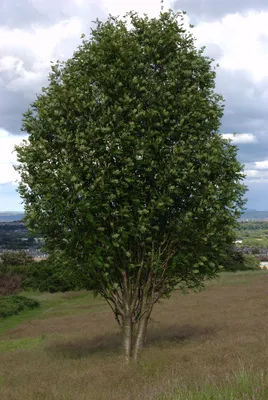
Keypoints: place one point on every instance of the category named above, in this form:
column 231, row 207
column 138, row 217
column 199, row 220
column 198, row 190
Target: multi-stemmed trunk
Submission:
column 140, row 337
column 127, row 328
column 132, row 303
column 134, row 334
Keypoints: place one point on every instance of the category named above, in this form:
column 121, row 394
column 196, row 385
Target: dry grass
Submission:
column 71, row 351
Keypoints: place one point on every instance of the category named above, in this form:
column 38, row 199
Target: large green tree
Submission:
column 125, row 172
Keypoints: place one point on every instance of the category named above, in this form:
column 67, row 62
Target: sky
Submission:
column 235, row 32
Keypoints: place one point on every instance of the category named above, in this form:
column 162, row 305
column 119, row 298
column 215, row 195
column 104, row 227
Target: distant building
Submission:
column 40, row 257
column 264, row 264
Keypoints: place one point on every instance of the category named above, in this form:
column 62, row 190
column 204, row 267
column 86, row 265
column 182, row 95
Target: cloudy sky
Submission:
column 235, row 33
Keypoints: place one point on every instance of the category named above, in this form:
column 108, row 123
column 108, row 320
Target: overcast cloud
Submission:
column 235, row 33
column 210, row 10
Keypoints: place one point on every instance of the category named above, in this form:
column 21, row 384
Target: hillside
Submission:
column 249, row 215
column 211, row 345
column 253, row 215
column 10, row 216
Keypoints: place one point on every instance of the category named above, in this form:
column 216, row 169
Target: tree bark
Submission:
column 141, row 335
column 127, row 336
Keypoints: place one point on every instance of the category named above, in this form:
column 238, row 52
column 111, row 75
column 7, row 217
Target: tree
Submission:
column 124, row 171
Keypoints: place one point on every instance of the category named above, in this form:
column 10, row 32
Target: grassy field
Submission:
column 211, row 345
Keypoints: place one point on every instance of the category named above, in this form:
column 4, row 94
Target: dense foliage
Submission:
column 125, row 172
column 15, row 258
column 50, row 276
column 238, row 261
column 10, row 283
column 19, row 271
column 13, row 270
column 10, row 305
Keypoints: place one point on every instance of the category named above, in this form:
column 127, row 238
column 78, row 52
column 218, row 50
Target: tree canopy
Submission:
column 125, row 172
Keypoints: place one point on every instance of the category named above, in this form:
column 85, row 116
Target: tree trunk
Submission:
column 127, row 337
column 141, row 335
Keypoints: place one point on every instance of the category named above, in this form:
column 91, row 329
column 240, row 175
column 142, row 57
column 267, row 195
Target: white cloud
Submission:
column 52, row 42
column 40, row 43
column 261, row 164
column 40, row 40
column 252, row 173
column 257, row 165
column 258, row 181
column 256, row 176
column 240, row 137
column 8, row 156
column 243, row 40
column 257, row 171
column 150, row 7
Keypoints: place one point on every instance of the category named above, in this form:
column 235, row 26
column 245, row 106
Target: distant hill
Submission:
column 10, row 216
column 253, row 215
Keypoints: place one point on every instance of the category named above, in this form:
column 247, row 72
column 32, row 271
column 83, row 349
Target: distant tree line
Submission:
column 252, row 229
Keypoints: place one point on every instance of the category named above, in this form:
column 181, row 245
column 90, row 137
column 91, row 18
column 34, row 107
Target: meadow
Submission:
column 201, row 346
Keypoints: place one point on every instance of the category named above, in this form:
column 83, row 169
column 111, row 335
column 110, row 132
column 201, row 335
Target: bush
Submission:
column 10, row 284
column 15, row 258
column 11, row 305
column 238, row 261
column 49, row 276
column 251, row 262
column 11, row 278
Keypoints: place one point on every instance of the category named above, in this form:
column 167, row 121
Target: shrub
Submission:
column 251, row 262
column 238, row 261
column 13, row 270
column 11, row 278
column 49, row 276
column 11, row 305
column 15, row 258
column 10, row 284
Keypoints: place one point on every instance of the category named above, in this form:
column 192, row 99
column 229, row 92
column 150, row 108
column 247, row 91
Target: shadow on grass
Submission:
column 112, row 343
column 82, row 348
column 179, row 333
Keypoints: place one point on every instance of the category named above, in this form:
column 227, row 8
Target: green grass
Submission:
column 19, row 344
column 14, row 320
column 58, row 304
column 238, row 277
column 13, row 305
